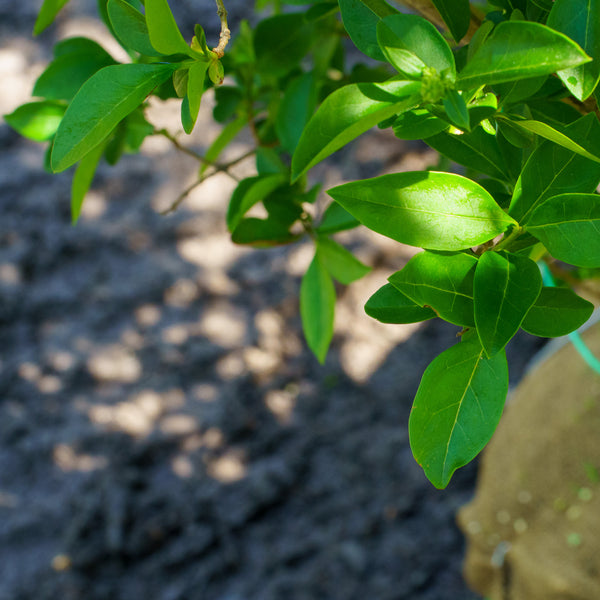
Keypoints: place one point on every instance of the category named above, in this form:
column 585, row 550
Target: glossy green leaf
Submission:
column 317, row 307
column 82, row 180
column 347, row 113
column 390, row 305
column 475, row 149
column 519, row 50
column 297, row 105
column 249, row 192
column 165, row 36
column 336, row 218
column 441, row 282
column 103, row 100
column 437, row 211
column 418, row 124
column 195, row 89
column 456, row 109
column 37, row 121
column 579, row 20
column 411, row 43
column 557, row 312
column 504, row 289
column 569, row 226
column 47, row 14
column 360, row 21
column 341, row 264
column 129, row 25
column 482, row 108
column 456, row 15
column 64, row 76
column 552, row 169
column 457, row 409
column 519, row 89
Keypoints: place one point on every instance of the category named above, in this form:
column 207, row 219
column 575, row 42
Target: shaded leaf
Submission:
column 456, row 15
column 129, row 25
column 47, row 14
column 390, row 305
column 82, row 180
column 342, row 265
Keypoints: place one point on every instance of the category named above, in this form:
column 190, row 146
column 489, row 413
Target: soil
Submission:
column 164, row 432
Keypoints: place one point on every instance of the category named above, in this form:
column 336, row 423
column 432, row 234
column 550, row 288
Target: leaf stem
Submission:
column 508, row 239
column 225, row 34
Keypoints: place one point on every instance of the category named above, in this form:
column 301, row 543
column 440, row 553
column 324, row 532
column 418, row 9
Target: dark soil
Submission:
column 164, row 433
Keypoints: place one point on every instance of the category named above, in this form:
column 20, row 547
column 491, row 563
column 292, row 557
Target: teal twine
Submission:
column 574, row 336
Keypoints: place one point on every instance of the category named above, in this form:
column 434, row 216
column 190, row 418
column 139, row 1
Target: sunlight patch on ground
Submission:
column 114, row 364
column 67, row 459
column 228, row 468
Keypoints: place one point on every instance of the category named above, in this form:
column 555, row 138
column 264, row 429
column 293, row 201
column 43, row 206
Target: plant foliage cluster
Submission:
column 507, row 89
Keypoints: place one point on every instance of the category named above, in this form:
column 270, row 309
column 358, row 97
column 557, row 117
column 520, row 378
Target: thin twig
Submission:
column 225, row 34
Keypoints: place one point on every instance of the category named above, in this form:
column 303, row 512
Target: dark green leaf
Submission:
column 441, row 282
column 456, row 15
column 103, row 100
column 437, row 211
column 47, row 14
column 557, row 312
column 390, row 305
column 580, row 20
column 336, row 218
column 165, row 36
column 341, row 264
column 520, row 50
column 225, row 137
column 129, row 25
column 504, row 289
column 262, row 233
column 82, row 180
column 456, row 409
column 518, row 90
column 317, row 307
column 347, row 113
column 411, row 43
column 557, row 114
column 482, row 108
column 569, row 226
column 37, row 121
column 418, row 124
column 456, row 109
column 227, row 100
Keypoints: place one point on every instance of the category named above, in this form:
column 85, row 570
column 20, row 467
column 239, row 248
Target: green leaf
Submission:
column 552, row 169
column 456, row 15
column 557, row 114
column 280, row 43
column 476, row 149
column 47, row 14
column 557, row 312
column 195, row 89
column 518, row 90
column 82, row 180
column 165, row 36
column 360, row 21
column 317, row 307
column 456, row 409
column 129, row 25
column 390, row 305
column 37, row 121
column 262, row 233
column 103, row 100
column 548, row 132
column 249, row 192
column 297, row 106
column 437, row 211
column 442, row 282
column 418, row 124
column 336, row 218
column 341, row 264
column 519, row 50
column 225, row 137
column 569, row 226
column 347, row 113
column 64, row 76
column 456, row 109
column 410, row 43
column 504, row 289
column 579, row 20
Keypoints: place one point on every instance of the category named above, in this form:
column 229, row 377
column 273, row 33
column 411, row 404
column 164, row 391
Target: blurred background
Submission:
column 164, row 432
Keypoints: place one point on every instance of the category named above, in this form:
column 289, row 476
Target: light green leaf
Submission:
column 390, row 305
column 557, row 312
column 437, row 211
column 569, row 226
column 456, row 109
column 347, row 113
column 130, row 27
column 580, row 20
column 519, row 50
column 441, row 282
column 47, row 14
column 195, row 89
column 552, row 169
column 165, row 36
column 504, row 289
column 456, row 15
column 341, row 264
column 37, row 121
column 410, row 43
column 82, row 180
column 103, row 100
column 456, row 409
column 317, row 308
